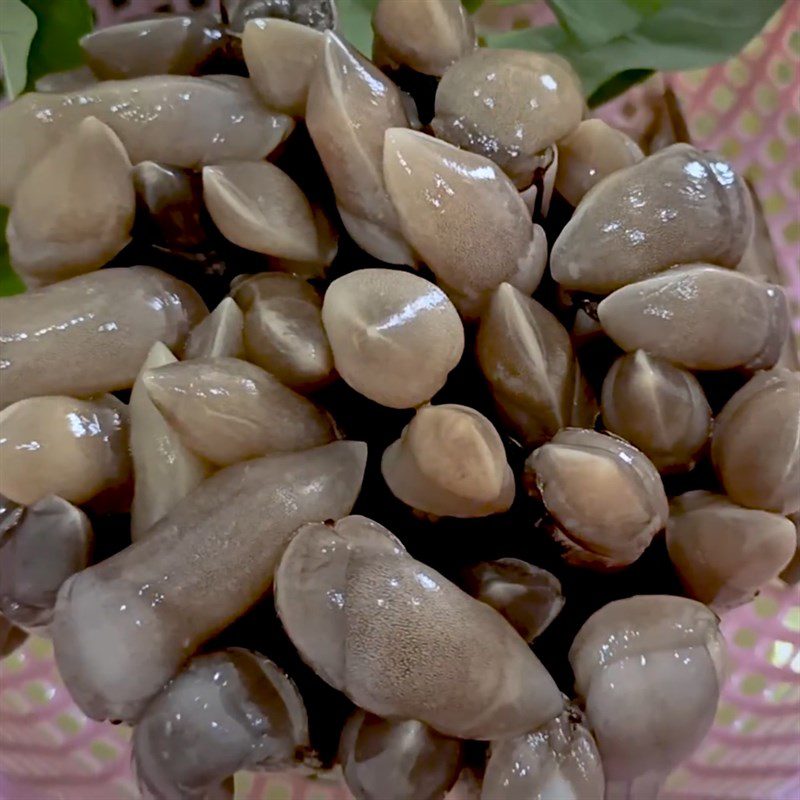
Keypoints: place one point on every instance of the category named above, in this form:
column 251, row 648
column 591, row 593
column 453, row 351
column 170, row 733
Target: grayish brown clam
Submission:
column 186, row 122
column 756, row 443
column 605, row 496
column 74, row 210
column 50, row 541
column 463, row 216
column 317, row 14
column 395, row 336
column 424, row 35
column 558, row 761
column 449, row 462
column 351, row 104
column 508, row 105
column 659, row 408
column 196, row 571
column 678, row 206
column 221, row 333
column 67, row 81
column 397, row 759
column 724, row 553
column 11, row 637
column 402, row 641
column 327, row 246
column 700, row 317
column 76, row 337
column 590, row 153
column 225, row 711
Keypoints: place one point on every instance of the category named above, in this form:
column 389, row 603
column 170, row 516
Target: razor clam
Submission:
column 221, row 333
column 197, row 570
column 317, row 14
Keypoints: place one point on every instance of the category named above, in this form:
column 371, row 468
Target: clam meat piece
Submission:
column 225, row 711
column 327, row 245
column 528, row 597
column 700, row 317
column 159, row 45
column 317, row 14
column 756, row 443
column 227, row 410
column 590, row 153
column 558, row 760
column 395, row 336
column 397, row 759
column 659, row 408
column 427, row 36
column 509, row 106
column 724, row 553
column 463, row 216
column 186, row 122
column 73, row 212
column 77, row 337
column 50, row 542
column 259, row 207
column 11, row 637
column 401, row 641
column 605, row 496
column 791, row 573
column 449, row 462
column 678, row 206
column 221, row 333
column 165, row 470
column 198, row 569
column 648, row 670
column 351, row 104
column 67, row 81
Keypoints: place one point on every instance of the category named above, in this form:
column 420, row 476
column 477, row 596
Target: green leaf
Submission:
column 472, row 5
column 355, row 21
column 617, row 85
column 592, row 22
column 9, row 282
column 17, row 29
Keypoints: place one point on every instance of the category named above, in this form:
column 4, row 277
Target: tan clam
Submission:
column 327, row 248
column 221, row 333
column 66, row 81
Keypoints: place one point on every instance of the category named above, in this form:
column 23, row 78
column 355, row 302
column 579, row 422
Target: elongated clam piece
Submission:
column 11, row 637
column 351, row 104
column 165, row 470
column 227, row 410
column 397, row 759
column 558, row 760
column 225, row 711
column 402, row 641
column 590, row 153
column 508, row 105
column 51, row 541
column 756, row 443
column 74, row 211
column 725, row 553
column 58, row 445
column 221, row 333
column 197, row 570
column 605, row 496
column 659, row 408
column 424, row 35
column 317, row 14
column 327, row 248
column 186, row 122
column 77, row 338
column 67, row 81
column 649, row 670
column 700, row 317
column 463, row 216
column 678, row 206
column 449, row 462
column 395, row 336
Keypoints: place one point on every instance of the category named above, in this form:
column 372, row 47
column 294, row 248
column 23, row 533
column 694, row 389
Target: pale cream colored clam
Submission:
column 700, row 317
column 724, row 553
column 327, row 245
column 67, row 81
column 73, row 212
column 90, row 334
column 221, row 333
column 463, row 216
column 449, row 462
column 678, row 206
column 196, row 571
column 395, row 336
column 58, row 445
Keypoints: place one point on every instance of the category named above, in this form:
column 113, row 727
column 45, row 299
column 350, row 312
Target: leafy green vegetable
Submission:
column 17, row 29
column 472, row 5
column 9, row 282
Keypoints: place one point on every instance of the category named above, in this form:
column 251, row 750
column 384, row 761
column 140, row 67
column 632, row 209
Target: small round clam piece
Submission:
column 508, row 105
column 678, row 206
column 224, row 712
column 397, row 759
column 395, row 336
column 605, row 496
column 450, row 462
column 317, row 14
column 700, row 317
column 221, row 333
column 659, row 408
column 558, row 761
column 756, row 443
column 725, row 553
